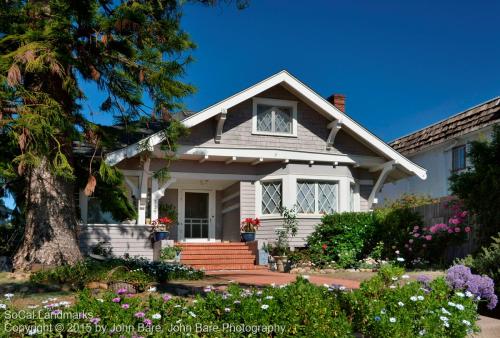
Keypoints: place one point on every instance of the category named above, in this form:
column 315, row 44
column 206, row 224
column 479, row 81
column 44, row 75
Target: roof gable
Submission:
column 299, row 89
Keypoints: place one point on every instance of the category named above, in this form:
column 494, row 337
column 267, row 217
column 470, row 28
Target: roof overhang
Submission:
column 304, row 92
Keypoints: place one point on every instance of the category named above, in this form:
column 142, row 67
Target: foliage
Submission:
column 408, row 201
column 342, row 238
column 168, row 210
column 479, row 186
column 133, row 270
column 289, row 229
column 161, row 224
column 389, row 306
column 170, row 252
column 250, row 224
column 103, row 248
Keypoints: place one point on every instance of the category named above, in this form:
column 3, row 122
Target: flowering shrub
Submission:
column 161, row 224
column 342, row 239
column 250, row 224
column 389, row 305
column 140, row 272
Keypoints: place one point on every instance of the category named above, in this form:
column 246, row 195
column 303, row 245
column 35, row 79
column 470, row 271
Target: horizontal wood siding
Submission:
column 306, row 227
column 247, row 199
column 364, row 194
column 128, row 239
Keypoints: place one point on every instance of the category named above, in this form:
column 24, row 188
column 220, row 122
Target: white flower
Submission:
column 258, row 293
column 33, row 331
column 269, row 297
column 392, row 286
column 192, row 314
column 446, row 312
column 227, row 309
column 420, row 297
column 400, row 259
column 305, row 276
column 383, row 311
column 401, row 304
column 273, row 285
column 64, row 303
column 460, row 307
column 342, row 288
column 237, row 302
column 397, row 252
column 466, row 322
column 152, row 289
column 405, row 276
column 264, row 306
column 460, row 294
column 445, row 324
column 100, row 300
column 451, row 304
column 392, row 320
column 469, row 294
column 195, row 301
column 394, row 278
column 3, row 306
column 443, row 318
column 283, row 286
column 156, row 316
column 421, row 332
column 9, row 295
column 177, row 305
column 32, row 306
column 326, row 285
column 413, row 298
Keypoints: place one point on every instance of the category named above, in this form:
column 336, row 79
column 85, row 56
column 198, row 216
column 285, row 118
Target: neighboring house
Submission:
column 442, row 149
column 276, row 143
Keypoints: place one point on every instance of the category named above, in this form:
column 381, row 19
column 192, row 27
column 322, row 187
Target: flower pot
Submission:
column 160, row 235
column 248, row 236
column 280, row 263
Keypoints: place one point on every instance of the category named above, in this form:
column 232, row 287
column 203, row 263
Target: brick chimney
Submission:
column 338, row 100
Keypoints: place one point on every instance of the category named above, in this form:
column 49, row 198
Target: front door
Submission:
column 197, row 216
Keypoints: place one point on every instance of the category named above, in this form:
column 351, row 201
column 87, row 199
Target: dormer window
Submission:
column 274, row 117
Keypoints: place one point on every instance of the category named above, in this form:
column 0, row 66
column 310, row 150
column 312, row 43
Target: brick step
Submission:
column 218, row 261
column 212, row 245
column 229, row 267
column 225, row 249
column 216, row 252
column 220, row 256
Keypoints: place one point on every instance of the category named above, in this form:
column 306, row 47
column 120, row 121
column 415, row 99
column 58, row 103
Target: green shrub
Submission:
column 135, row 271
column 342, row 238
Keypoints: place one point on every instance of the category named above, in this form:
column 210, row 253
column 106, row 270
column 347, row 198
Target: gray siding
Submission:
column 364, row 194
column 306, row 227
column 124, row 238
column 247, row 199
column 312, row 132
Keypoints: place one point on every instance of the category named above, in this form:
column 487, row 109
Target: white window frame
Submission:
column 277, row 103
column 316, row 193
column 259, row 191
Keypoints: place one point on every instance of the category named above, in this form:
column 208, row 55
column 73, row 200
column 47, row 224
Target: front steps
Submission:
column 218, row 256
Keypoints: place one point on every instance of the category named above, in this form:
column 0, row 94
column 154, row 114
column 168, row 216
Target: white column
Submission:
column 344, row 195
column 155, row 199
column 289, row 191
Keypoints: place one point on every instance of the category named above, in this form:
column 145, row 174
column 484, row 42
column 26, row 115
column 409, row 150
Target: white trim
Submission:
column 308, row 95
column 181, row 206
column 231, row 160
column 380, row 182
column 334, row 127
column 221, row 119
column 278, row 103
column 258, row 161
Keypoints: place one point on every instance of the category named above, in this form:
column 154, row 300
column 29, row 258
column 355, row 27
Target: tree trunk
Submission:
column 50, row 235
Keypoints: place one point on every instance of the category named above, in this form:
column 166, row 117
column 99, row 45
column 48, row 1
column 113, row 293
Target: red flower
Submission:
column 256, row 221
column 324, row 246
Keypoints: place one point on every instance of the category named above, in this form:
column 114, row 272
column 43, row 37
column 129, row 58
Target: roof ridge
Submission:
column 447, row 118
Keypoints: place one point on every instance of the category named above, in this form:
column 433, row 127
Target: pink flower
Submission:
column 416, row 235
column 139, row 315
column 457, row 229
column 125, row 306
column 116, row 300
column 455, row 220
column 428, row 237
column 450, row 230
column 121, row 291
column 416, row 227
column 464, row 214
column 467, row 229
column 148, row 322
column 166, row 298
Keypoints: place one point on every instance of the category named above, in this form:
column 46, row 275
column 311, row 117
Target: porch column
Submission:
column 142, row 200
column 157, row 192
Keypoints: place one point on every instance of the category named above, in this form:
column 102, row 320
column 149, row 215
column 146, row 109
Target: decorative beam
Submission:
column 134, row 188
column 203, row 159
column 380, row 181
column 144, row 179
column 221, row 119
column 257, row 161
column 231, row 160
column 286, row 161
column 334, row 127
column 382, row 166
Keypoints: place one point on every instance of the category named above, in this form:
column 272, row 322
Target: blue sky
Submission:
column 401, row 64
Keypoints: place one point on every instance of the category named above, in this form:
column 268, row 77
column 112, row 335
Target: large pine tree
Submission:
column 132, row 50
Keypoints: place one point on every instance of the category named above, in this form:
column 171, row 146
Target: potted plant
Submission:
column 281, row 248
column 248, row 228
column 170, row 254
column 160, row 228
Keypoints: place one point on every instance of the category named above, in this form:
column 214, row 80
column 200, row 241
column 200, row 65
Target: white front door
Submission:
column 196, row 215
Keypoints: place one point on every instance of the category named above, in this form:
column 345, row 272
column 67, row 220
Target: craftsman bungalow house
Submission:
column 276, row 143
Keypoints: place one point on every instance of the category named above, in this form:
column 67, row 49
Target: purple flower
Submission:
column 166, row 298
column 424, row 279
column 95, row 320
column 148, row 322
column 139, row 315
column 121, row 291
column 125, row 306
column 56, row 312
column 460, row 277
column 116, row 300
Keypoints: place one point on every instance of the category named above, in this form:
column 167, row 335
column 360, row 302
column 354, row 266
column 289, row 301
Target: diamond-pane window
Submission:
column 271, row 197
column 274, row 119
column 305, row 197
column 327, row 197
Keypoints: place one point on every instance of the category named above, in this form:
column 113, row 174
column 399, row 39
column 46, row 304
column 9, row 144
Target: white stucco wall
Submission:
column 437, row 161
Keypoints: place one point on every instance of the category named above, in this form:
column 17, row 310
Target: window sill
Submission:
column 263, row 133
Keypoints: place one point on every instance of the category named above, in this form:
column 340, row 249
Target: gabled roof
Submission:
column 300, row 89
column 472, row 119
